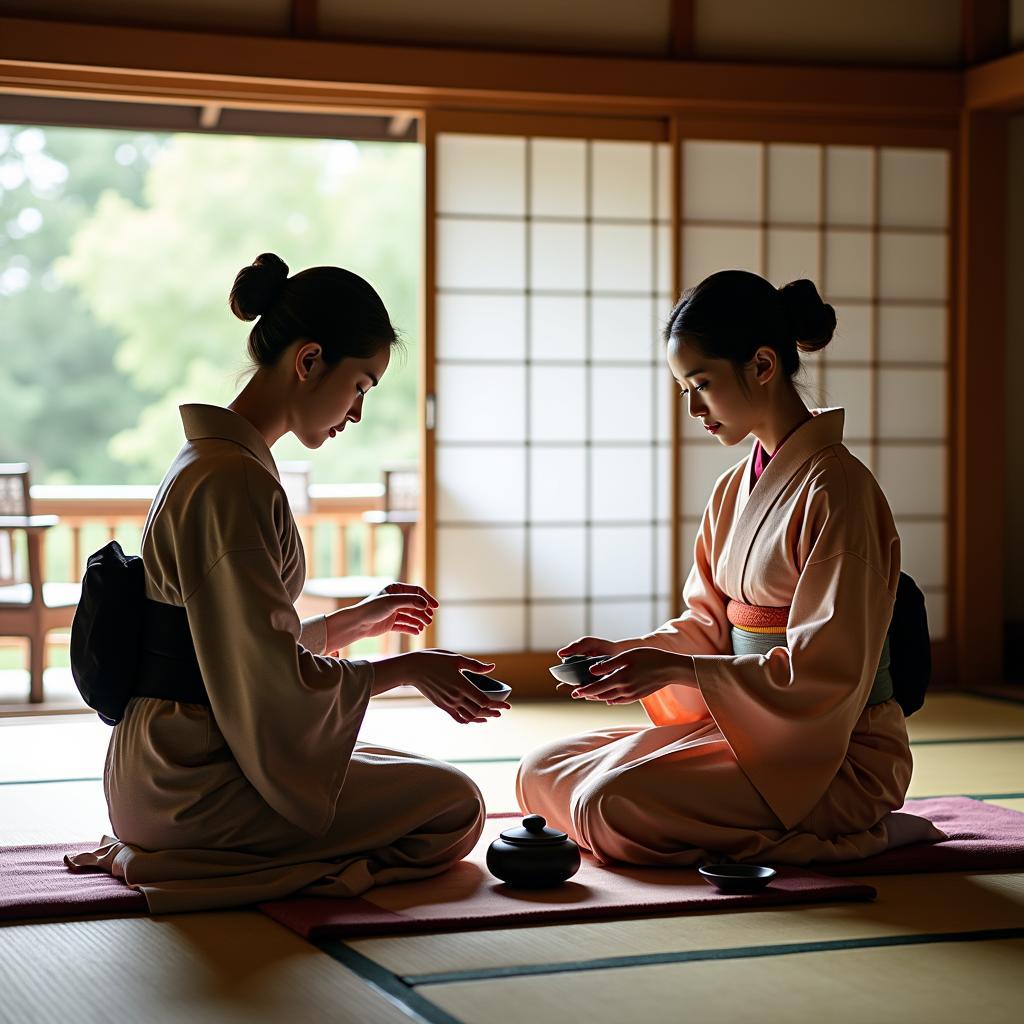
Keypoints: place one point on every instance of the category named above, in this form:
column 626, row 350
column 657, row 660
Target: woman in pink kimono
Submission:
column 238, row 777
column 774, row 734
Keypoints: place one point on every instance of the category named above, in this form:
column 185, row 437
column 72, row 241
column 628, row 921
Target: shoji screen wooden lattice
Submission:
column 870, row 226
column 551, row 435
column 550, row 270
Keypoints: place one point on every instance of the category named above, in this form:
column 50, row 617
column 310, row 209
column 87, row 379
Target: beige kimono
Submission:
column 771, row 757
column 267, row 791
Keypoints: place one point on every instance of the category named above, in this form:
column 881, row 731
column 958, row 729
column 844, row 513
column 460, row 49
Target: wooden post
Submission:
column 37, row 638
column 426, row 549
column 369, row 549
column 977, row 427
column 679, row 567
column 681, row 35
column 77, row 569
column 339, row 554
column 303, row 18
column 985, row 31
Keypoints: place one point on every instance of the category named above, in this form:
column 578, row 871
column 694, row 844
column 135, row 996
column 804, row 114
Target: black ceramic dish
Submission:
column 575, row 670
column 492, row 687
column 738, row 878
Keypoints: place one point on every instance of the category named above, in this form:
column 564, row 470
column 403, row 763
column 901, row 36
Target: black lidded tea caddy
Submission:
column 533, row 856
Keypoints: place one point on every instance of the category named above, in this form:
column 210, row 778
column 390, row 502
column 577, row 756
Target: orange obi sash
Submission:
column 756, row 619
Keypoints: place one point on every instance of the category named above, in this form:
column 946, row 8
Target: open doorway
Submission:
column 119, row 246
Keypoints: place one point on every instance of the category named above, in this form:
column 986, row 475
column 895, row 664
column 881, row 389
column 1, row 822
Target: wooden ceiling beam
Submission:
column 132, row 62
column 997, row 85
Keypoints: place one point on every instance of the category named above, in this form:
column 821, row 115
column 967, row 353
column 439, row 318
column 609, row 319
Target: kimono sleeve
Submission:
column 789, row 715
column 702, row 628
column 290, row 716
column 313, row 633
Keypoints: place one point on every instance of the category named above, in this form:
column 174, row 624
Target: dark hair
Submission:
column 329, row 305
column 731, row 314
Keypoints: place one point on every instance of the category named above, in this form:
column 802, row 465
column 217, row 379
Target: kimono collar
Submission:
column 823, row 430
column 214, row 421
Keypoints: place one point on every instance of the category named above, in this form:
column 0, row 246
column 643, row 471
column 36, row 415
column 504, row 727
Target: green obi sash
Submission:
column 744, row 642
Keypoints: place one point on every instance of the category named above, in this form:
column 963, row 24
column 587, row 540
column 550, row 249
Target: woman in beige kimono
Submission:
column 263, row 789
column 773, row 730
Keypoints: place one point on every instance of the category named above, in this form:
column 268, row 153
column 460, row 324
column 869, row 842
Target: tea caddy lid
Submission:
column 533, row 832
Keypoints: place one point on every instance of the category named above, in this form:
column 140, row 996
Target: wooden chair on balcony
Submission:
column 29, row 607
column 401, row 509
column 328, row 593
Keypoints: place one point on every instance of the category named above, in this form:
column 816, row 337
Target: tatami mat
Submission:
column 66, row 748
column 906, row 905
column 190, row 968
column 981, row 769
column 942, row 983
column 1014, row 805
column 948, row 716
column 415, row 726
column 52, row 747
column 969, row 768
column 74, row 747
column 52, row 812
column 240, row 966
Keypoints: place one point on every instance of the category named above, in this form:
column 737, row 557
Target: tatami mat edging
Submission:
column 388, row 984
column 697, row 955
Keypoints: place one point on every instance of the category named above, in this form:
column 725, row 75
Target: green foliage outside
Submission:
column 117, row 251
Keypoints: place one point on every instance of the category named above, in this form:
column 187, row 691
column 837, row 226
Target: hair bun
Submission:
column 258, row 286
column 813, row 321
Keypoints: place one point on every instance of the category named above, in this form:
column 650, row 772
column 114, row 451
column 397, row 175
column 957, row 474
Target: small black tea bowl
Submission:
column 533, row 856
column 492, row 687
column 575, row 670
column 738, row 878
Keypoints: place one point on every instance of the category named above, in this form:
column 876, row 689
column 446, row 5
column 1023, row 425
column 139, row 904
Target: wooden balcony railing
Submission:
column 337, row 540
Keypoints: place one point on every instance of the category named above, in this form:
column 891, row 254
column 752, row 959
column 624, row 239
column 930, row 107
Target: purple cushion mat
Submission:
column 34, row 882
column 982, row 837
column 468, row 896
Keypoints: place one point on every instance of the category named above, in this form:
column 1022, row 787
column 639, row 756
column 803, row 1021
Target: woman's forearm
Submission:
column 343, row 629
column 389, row 673
column 660, row 641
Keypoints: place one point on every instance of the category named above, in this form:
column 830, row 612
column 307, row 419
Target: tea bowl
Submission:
column 737, row 878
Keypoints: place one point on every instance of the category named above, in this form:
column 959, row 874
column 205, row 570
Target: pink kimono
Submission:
column 773, row 756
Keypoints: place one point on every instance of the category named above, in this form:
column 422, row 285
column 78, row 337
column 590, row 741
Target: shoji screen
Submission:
column 551, row 401
column 870, row 226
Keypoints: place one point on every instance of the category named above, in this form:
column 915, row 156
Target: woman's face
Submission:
column 332, row 396
column 713, row 393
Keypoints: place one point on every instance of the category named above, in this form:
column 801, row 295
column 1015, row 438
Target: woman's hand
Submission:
column 398, row 608
column 594, row 646
column 636, row 673
column 438, row 676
